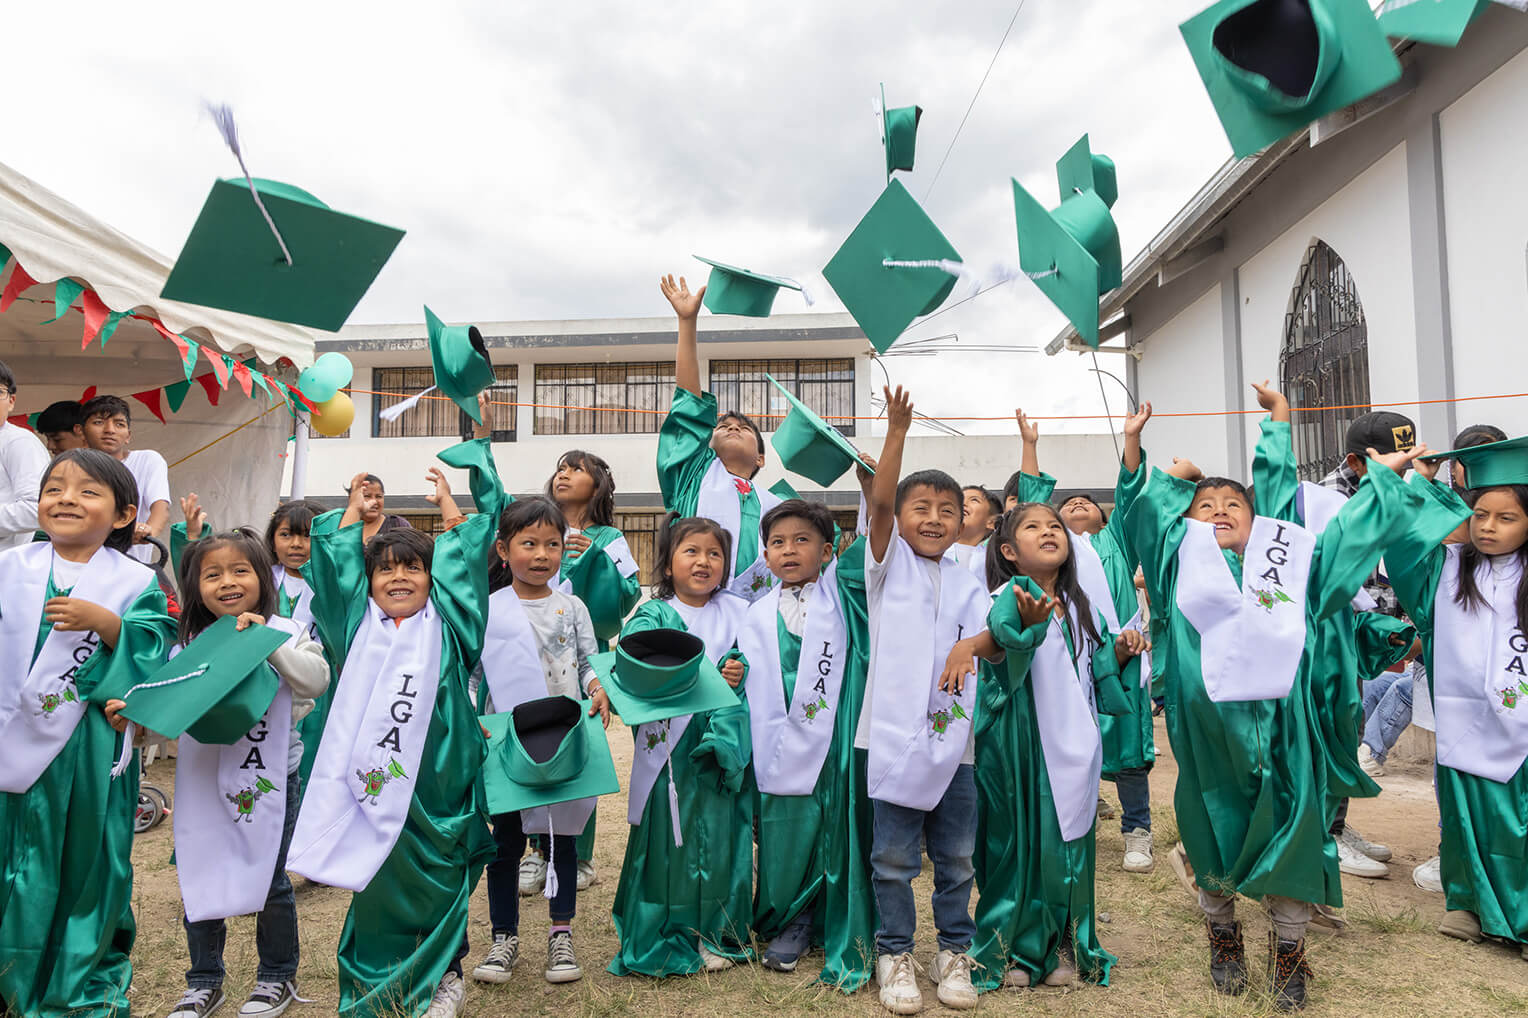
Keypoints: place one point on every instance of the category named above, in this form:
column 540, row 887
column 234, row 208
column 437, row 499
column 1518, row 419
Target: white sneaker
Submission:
column 499, row 964
column 587, row 878
column 1355, row 864
column 1429, row 875
column 952, row 974
column 1138, row 852
column 897, row 976
column 1373, row 849
column 448, row 997
column 713, row 961
column 532, row 873
column 1367, row 763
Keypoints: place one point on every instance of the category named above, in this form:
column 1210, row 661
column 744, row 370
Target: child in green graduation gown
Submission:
column 79, row 615
column 682, row 904
column 392, row 811
column 1239, row 592
column 1468, row 601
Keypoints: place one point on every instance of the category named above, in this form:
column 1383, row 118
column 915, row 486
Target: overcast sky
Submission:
column 552, row 160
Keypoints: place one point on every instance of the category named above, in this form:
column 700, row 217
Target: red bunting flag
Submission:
column 241, row 372
column 18, row 282
column 95, row 316
column 20, row 420
column 211, row 385
column 219, row 368
column 88, row 394
column 150, row 398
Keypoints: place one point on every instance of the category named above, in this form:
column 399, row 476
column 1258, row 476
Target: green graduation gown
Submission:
column 403, row 931
column 670, row 896
column 66, row 873
column 597, row 582
column 814, row 849
column 1484, row 849
column 1036, row 890
column 1251, row 798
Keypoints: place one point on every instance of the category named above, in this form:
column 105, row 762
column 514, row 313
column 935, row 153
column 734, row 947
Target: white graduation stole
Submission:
column 302, row 605
column 718, row 500
column 514, row 673
column 368, row 758
column 1252, row 634
column 1480, row 671
column 1319, row 505
column 1093, row 580
column 39, row 704
column 230, row 809
column 789, row 745
column 717, row 625
column 1068, row 721
column 918, row 733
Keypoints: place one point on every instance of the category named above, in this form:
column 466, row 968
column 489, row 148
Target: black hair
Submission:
column 401, row 545
column 110, row 406
column 941, row 482
column 298, row 516
column 814, row 513
column 747, row 422
column 519, row 515
column 1468, row 596
column 195, row 616
column 374, row 479
column 7, row 379
column 1000, row 569
column 65, row 415
column 107, row 470
column 601, row 510
column 1011, row 487
column 1210, row 483
column 1087, row 496
column 1479, row 434
column 994, row 504
column 673, row 530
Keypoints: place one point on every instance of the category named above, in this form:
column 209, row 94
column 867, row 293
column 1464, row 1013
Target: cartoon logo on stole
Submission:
column 245, row 798
column 376, row 779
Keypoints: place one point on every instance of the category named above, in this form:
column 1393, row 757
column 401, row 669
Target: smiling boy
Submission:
column 108, row 426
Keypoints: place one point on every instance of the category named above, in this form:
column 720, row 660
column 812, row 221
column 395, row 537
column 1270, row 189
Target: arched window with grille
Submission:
column 1325, row 360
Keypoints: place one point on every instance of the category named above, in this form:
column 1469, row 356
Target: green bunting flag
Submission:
column 192, row 346
column 65, row 292
column 112, row 321
column 175, row 394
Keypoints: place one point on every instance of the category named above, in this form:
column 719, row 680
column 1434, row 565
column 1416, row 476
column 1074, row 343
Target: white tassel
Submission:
column 674, row 802
column 806, row 294
column 551, row 856
column 954, row 268
column 397, row 410
column 126, row 756
column 222, row 116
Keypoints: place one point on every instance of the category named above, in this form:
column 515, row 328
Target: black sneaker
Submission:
column 1288, row 972
column 269, row 999
column 561, row 964
column 197, row 1003
column 786, row 950
column 1228, row 958
column 500, row 962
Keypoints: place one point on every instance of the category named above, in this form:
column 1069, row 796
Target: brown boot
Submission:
column 1288, row 972
column 1461, row 925
column 1228, row 958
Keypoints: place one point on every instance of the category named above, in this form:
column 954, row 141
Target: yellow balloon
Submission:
column 333, row 416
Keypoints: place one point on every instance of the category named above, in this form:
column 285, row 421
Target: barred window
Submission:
column 825, row 385
column 439, row 417
column 1324, row 361
column 632, row 388
column 641, row 530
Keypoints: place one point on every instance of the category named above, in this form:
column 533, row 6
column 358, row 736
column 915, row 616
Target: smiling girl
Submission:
column 78, row 615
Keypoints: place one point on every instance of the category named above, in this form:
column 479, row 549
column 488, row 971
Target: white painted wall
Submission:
column 1486, row 219
column 1182, row 368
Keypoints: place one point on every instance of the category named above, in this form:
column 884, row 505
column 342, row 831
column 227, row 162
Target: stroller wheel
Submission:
column 150, row 812
column 159, row 797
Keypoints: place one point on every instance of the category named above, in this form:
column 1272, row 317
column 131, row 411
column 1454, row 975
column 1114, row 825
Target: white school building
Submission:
column 1379, row 257
column 624, row 370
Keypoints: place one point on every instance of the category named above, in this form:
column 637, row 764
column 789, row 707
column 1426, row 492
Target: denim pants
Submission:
column 1387, row 711
column 1133, row 785
column 275, row 926
column 504, row 875
column 949, row 831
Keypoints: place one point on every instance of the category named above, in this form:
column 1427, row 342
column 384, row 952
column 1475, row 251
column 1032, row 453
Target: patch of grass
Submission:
column 1368, row 912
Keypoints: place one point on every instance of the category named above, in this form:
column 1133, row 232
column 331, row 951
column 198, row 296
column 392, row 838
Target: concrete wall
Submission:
column 1181, row 369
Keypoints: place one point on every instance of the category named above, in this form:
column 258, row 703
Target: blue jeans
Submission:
column 275, row 926
column 1133, row 785
column 949, row 831
column 1387, row 711
column 504, row 875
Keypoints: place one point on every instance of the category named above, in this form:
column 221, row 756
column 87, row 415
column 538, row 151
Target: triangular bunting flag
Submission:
column 211, row 385
column 64, row 293
column 96, row 313
column 20, row 420
column 241, row 372
column 150, row 399
column 259, row 377
column 113, row 319
column 5, row 256
column 88, row 394
column 14, row 287
column 32, row 420
column 175, row 394
column 179, row 341
column 219, row 368
column 192, row 349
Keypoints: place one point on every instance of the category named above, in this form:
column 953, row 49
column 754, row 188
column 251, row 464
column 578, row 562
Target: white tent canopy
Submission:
column 237, row 478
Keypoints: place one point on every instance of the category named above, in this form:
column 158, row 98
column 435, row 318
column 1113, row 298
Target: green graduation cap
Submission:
column 734, row 291
column 809, row 445
column 462, row 367
column 1436, row 22
column 1273, row 66
column 1072, row 252
column 899, row 134
column 884, row 299
column 215, row 689
column 1490, row 465
column 544, row 752
column 233, row 261
column 661, row 673
column 783, row 490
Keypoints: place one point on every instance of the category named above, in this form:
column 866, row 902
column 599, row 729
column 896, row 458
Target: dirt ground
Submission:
column 1389, row 960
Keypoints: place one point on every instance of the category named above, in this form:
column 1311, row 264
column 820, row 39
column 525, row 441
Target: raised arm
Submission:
column 1275, row 476
column 687, row 353
column 882, row 503
column 1154, row 527
column 1414, row 560
column 1029, row 439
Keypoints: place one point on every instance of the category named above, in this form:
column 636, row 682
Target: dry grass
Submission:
column 1388, row 960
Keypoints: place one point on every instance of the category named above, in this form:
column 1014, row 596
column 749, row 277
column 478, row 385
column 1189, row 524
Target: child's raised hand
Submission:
column 248, row 619
column 732, row 670
column 1269, row 398
column 1427, row 470
column 864, row 470
column 1033, row 610
column 435, row 478
column 357, row 490
column 686, row 304
column 899, row 409
column 1185, row 470
column 1029, row 431
column 960, row 663
column 483, row 428
column 1135, row 423
column 601, row 704
column 1399, row 461
column 195, row 515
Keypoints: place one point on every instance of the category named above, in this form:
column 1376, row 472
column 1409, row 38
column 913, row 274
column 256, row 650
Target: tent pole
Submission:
column 300, row 457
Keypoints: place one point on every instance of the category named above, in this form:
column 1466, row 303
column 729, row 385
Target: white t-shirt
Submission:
column 23, row 461
column 153, row 476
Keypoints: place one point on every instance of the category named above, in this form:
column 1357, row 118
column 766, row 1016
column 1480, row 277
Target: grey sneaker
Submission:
column 1138, row 857
column 269, row 999
column 561, row 965
column 786, row 950
column 1373, row 849
column 198, row 1003
column 500, row 961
